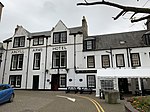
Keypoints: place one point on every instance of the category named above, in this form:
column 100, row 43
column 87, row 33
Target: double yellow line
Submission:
column 97, row 105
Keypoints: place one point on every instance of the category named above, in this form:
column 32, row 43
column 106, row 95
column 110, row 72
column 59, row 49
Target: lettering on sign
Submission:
column 18, row 51
column 37, row 49
column 59, row 48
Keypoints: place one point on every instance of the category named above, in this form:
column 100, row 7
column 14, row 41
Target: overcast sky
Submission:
column 42, row 15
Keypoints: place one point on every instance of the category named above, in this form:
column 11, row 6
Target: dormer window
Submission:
column 89, row 45
column 19, row 41
column 146, row 39
column 38, row 41
column 59, row 37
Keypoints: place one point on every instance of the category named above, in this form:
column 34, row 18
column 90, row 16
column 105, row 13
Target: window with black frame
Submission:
column 19, row 41
column 59, row 59
column 105, row 61
column 59, row 37
column 36, row 63
column 90, row 62
column 15, row 80
column 107, row 84
column 135, row 60
column 17, row 62
column 38, row 41
column 62, row 81
column 120, row 60
column 91, row 82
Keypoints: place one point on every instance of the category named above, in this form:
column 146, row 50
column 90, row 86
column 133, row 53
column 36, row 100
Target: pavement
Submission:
column 58, row 101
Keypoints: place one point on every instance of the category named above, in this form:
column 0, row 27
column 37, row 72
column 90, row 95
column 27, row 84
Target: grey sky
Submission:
column 42, row 15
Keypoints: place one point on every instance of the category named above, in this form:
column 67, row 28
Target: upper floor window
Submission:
column 146, row 39
column 120, row 60
column 90, row 62
column 19, row 41
column 59, row 37
column 105, row 61
column 17, row 62
column 38, row 41
column 135, row 60
column 89, row 45
column 59, row 59
column 36, row 64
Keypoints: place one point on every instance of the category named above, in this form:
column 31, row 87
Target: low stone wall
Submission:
column 128, row 107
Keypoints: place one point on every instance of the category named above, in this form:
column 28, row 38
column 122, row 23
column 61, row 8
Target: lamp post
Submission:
column 1, row 7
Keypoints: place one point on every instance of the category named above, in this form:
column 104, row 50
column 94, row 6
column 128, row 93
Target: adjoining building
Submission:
column 66, row 56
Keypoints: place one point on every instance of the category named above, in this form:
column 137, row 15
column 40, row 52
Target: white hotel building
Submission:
column 66, row 56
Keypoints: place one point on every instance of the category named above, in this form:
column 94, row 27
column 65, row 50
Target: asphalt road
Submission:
column 58, row 101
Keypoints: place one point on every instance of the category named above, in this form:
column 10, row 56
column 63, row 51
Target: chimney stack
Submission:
column 84, row 27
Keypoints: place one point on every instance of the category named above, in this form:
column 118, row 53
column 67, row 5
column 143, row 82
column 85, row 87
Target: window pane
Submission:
column 37, row 60
column 35, row 41
column 16, row 42
column 63, row 59
column 63, row 37
column 20, row 61
column 90, row 61
column 120, row 60
column 89, row 45
column 105, row 61
column 55, row 59
column 22, row 41
column 107, row 84
column 41, row 41
column 135, row 60
column 15, row 80
column 14, row 62
column 62, row 81
column 56, row 37
column 91, row 81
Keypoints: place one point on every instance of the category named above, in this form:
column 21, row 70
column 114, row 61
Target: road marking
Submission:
column 71, row 99
column 97, row 105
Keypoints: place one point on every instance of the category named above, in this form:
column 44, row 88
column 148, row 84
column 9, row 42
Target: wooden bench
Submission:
column 86, row 89
column 72, row 88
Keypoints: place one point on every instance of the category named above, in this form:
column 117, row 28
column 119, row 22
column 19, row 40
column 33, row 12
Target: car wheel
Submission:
column 11, row 98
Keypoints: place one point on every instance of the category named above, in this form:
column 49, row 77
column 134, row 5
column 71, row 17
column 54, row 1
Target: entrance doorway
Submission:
column 55, row 82
column 123, row 85
column 35, row 82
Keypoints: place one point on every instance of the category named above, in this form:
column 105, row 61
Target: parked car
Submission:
column 6, row 93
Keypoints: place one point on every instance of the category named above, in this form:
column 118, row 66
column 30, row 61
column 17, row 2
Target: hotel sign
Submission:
column 59, row 48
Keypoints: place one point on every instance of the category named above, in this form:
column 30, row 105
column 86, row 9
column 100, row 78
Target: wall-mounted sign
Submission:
column 37, row 49
column 18, row 51
column 59, row 48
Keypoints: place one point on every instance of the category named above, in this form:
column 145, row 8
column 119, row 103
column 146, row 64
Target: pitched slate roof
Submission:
column 119, row 40
column 75, row 30
column 45, row 33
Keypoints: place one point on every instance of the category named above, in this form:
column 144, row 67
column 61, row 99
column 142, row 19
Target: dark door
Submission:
column 55, row 82
column 35, row 82
column 123, row 85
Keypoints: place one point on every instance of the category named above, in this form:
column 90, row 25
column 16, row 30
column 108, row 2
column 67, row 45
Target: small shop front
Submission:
column 127, row 81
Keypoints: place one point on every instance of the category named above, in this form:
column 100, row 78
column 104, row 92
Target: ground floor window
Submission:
column 62, row 81
column 107, row 84
column 15, row 81
column 91, row 82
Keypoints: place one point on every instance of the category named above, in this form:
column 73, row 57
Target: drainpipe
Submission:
column 28, row 63
column 74, row 57
column 128, row 52
column 5, row 63
column 45, row 62
column 111, row 57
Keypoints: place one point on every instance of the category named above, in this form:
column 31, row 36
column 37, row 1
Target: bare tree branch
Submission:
column 124, row 8
column 140, row 19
